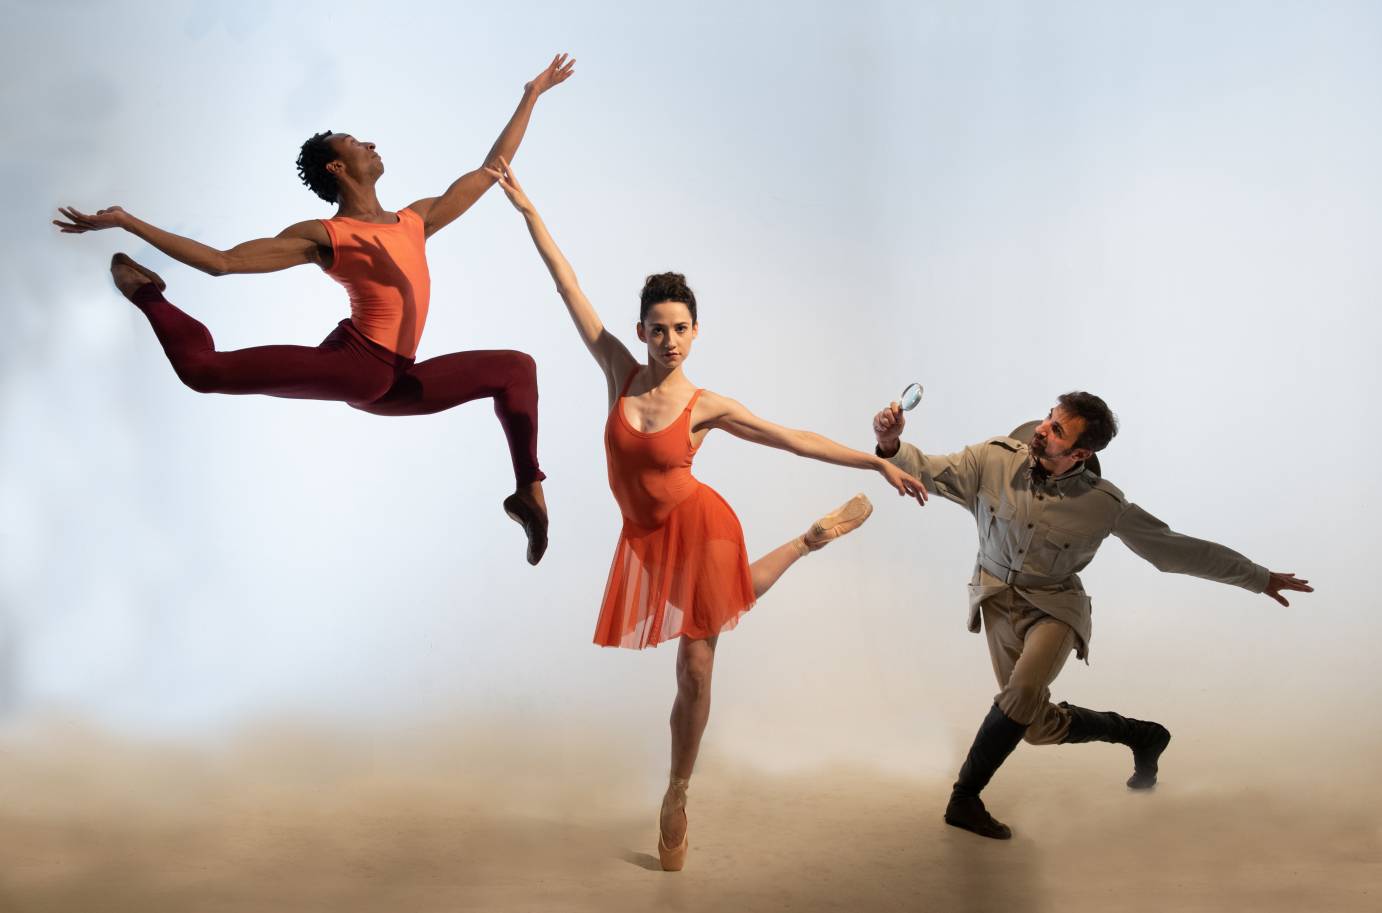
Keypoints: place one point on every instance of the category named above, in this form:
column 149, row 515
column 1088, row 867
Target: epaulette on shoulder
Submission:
column 1108, row 488
column 1006, row 443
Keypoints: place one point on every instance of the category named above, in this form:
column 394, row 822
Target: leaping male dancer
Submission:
column 1043, row 510
column 380, row 258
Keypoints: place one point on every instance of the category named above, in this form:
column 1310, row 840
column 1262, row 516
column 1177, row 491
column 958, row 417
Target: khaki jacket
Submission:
column 1037, row 537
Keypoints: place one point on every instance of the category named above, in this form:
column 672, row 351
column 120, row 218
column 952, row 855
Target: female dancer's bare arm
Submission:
column 439, row 212
column 716, row 411
column 305, row 242
column 611, row 354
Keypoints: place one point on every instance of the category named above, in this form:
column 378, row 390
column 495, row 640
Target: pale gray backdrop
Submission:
column 1175, row 206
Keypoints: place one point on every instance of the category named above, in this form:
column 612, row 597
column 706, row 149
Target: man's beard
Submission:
column 1039, row 452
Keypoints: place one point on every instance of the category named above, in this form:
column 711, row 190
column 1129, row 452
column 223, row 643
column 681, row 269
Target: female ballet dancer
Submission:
column 680, row 568
column 381, row 260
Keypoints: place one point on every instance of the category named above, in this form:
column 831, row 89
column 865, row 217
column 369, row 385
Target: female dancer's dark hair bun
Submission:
column 661, row 287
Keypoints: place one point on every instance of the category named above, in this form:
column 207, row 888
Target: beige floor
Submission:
column 292, row 823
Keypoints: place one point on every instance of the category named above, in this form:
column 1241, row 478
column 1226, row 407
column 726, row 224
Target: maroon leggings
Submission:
column 349, row 368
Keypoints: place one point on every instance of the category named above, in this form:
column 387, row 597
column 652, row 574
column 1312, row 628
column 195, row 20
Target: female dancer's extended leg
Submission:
column 696, row 663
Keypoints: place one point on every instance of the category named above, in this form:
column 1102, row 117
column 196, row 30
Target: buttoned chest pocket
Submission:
column 1062, row 552
column 995, row 518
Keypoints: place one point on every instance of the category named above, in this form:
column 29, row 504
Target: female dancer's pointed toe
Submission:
column 845, row 519
column 130, row 277
column 673, row 858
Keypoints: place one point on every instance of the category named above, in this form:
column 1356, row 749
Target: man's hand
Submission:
column 80, row 223
column 1286, row 581
column 556, row 73
column 887, row 428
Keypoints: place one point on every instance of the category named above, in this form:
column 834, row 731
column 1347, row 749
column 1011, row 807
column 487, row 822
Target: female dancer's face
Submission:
column 668, row 330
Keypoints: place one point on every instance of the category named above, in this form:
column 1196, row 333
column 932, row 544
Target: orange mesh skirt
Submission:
column 688, row 577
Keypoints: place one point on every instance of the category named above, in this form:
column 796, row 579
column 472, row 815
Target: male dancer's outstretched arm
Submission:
column 1177, row 553
column 305, row 242
column 956, row 476
column 439, row 212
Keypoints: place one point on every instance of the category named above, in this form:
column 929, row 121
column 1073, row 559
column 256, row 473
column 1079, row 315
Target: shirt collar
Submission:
column 1052, row 483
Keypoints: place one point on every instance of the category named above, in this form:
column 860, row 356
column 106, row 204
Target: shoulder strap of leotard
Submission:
column 694, row 396
column 627, row 383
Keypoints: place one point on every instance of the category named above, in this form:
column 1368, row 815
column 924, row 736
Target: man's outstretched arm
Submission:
column 294, row 246
column 1177, row 553
column 439, row 212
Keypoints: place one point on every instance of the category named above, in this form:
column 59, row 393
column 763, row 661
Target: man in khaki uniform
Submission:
column 1042, row 511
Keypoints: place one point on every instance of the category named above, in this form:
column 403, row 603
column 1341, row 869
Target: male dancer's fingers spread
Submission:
column 1278, row 581
column 555, row 74
column 81, row 222
column 75, row 223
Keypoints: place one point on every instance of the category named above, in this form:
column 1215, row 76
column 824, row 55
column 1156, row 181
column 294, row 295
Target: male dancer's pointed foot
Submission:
column 528, row 508
column 1146, row 739
column 671, row 850
column 1149, row 741
column 968, row 812
column 846, row 518
column 130, row 277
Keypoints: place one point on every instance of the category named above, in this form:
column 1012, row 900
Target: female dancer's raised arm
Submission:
column 611, row 354
column 731, row 416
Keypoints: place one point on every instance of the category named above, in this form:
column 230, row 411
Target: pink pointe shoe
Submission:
column 848, row 517
column 673, row 858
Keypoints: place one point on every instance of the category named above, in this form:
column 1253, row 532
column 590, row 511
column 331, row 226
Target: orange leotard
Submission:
column 384, row 271
column 680, row 567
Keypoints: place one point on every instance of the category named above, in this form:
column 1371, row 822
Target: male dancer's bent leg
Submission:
column 510, row 378
column 1028, row 649
column 1146, row 739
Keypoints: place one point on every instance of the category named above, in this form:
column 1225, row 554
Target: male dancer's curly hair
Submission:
column 316, row 153
column 1100, row 424
column 661, row 287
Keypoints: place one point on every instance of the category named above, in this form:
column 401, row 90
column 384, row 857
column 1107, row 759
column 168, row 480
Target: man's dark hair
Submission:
column 316, row 154
column 661, row 287
column 1100, row 424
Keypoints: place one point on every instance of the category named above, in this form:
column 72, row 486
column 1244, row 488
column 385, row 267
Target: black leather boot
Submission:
column 1147, row 740
column 997, row 737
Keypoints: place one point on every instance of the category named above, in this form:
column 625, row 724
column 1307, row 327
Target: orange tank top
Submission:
column 384, row 271
column 649, row 471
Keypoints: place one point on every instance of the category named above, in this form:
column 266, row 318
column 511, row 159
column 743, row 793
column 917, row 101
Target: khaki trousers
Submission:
column 1028, row 649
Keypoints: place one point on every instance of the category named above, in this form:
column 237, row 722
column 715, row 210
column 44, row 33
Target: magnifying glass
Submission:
column 910, row 397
